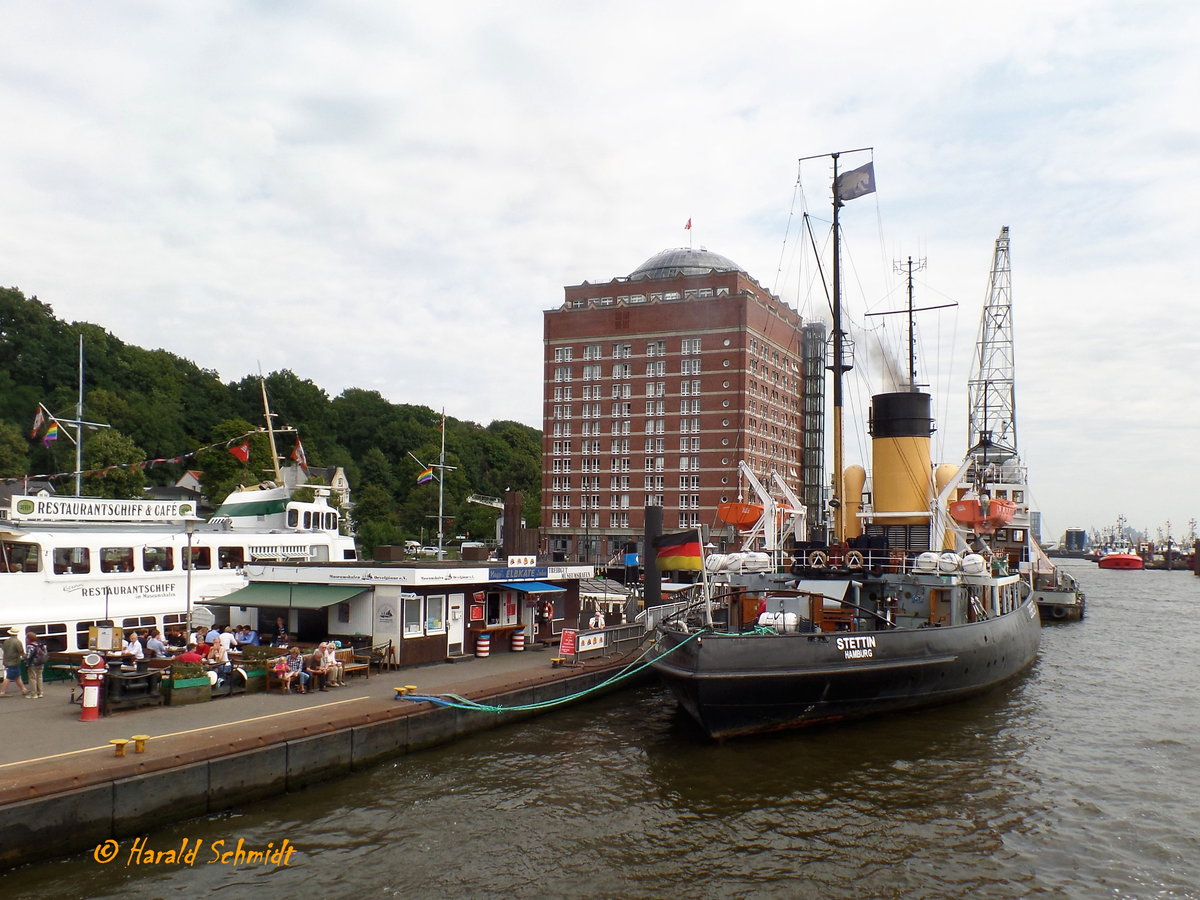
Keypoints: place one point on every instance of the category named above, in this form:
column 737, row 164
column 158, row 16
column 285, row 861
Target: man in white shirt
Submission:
column 133, row 647
column 228, row 641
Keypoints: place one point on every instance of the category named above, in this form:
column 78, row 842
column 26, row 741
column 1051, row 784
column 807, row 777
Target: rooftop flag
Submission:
column 425, row 476
column 856, row 182
column 51, row 434
column 688, row 226
column 241, row 451
column 679, row 551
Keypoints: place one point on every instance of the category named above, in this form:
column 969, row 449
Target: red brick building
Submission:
column 656, row 386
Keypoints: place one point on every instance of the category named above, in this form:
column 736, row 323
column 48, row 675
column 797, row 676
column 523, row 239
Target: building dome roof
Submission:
column 684, row 261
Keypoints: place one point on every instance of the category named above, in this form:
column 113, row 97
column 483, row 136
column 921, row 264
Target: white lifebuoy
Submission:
column 854, row 560
column 817, row 560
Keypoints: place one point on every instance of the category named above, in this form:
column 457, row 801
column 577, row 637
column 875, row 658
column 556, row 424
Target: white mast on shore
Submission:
column 441, row 468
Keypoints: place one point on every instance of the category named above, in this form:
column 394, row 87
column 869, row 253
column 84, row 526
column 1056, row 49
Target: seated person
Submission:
column 218, row 657
column 246, row 637
column 317, row 669
column 133, row 647
column 295, row 670
column 190, row 655
column 156, row 647
column 337, row 672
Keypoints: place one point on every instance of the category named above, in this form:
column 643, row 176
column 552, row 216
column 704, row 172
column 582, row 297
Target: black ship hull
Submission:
column 742, row 684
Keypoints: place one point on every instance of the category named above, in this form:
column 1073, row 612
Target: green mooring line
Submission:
column 457, row 702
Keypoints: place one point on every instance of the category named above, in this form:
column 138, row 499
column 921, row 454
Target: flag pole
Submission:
column 79, row 426
column 441, row 484
column 708, row 618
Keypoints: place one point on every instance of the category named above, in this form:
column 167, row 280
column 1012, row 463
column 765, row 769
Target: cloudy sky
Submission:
column 388, row 196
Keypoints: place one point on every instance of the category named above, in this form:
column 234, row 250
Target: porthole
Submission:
column 725, row 403
column 724, row 384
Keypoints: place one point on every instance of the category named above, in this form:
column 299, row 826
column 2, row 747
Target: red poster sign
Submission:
column 476, row 612
column 567, row 646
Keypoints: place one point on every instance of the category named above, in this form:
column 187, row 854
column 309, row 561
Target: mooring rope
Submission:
column 458, row 702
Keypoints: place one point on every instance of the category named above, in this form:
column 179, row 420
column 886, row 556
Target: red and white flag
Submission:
column 38, row 421
column 241, row 451
column 688, row 226
column 299, row 457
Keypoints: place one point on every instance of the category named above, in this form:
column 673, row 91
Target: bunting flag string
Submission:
column 141, row 464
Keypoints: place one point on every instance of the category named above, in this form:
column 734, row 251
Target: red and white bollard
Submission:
column 91, row 679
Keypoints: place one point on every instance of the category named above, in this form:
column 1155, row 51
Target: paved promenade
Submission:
column 45, row 736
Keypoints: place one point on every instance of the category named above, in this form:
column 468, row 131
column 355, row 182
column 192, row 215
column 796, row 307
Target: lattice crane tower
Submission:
column 991, row 394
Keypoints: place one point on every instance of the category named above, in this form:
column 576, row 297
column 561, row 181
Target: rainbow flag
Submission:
column 679, row 551
column 50, row 435
column 425, row 476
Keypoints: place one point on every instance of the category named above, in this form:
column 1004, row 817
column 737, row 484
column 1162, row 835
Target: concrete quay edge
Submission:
column 69, row 802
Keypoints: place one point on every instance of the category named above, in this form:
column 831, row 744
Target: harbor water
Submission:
column 1079, row 779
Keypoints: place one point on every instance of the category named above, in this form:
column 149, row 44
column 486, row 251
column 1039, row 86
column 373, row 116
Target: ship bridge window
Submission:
column 231, row 557
column 201, row 558
column 18, row 557
column 116, row 559
column 331, row 521
column 293, row 517
column 158, row 559
column 72, row 561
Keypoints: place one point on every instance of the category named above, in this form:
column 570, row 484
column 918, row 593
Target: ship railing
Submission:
column 651, row 617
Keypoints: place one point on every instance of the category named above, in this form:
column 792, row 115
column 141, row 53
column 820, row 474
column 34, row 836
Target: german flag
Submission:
column 679, row 551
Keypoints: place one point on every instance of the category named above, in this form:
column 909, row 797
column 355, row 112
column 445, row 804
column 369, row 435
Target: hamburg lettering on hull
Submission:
column 857, row 647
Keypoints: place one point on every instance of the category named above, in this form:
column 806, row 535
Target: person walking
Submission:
column 36, row 654
column 13, row 652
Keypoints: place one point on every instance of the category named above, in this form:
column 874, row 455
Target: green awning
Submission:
column 289, row 596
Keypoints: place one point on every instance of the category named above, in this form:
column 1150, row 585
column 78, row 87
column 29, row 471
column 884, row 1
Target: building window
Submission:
column 622, row 351
column 689, row 367
column 562, row 354
column 656, row 348
column 562, row 373
column 689, row 346
column 622, row 370
column 590, row 373
column 656, row 368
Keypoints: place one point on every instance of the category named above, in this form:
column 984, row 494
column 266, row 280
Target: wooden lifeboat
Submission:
column 982, row 516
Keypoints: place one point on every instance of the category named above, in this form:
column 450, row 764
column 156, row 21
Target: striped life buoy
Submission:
column 817, row 560
column 854, row 560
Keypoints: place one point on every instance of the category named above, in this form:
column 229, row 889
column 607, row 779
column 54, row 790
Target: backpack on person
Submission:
column 37, row 654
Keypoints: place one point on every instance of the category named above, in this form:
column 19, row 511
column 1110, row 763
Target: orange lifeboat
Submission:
column 982, row 516
column 740, row 514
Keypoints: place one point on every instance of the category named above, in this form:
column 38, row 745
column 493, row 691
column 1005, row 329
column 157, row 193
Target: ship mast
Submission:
column 991, row 394
column 851, row 184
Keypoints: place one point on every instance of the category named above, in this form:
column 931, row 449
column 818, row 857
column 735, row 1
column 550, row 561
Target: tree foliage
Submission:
column 163, row 408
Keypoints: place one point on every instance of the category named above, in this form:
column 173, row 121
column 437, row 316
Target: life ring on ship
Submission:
column 854, row 560
column 817, row 560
